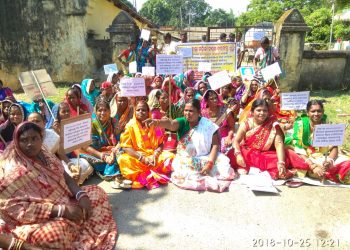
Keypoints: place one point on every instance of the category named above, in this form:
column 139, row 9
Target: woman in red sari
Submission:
column 259, row 143
column 41, row 204
column 74, row 102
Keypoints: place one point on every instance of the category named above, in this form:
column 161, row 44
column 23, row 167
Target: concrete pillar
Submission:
column 290, row 32
column 122, row 30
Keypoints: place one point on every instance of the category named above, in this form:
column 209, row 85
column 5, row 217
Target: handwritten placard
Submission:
column 247, row 73
column 76, row 132
column 132, row 86
column 185, row 52
column 219, row 80
column 204, row 66
column 328, row 135
column 145, row 34
column 133, row 67
column 169, row 64
column 295, row 100
column 148, row 71
column 110, row 68
column 271, row 71
column 32, row 80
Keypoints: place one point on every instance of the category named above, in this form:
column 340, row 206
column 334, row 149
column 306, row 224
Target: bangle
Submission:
column 79, row 193
column 59, row 211
column 330, row 160
column 281, row 162
column 140, row 157
column 312, row 168
column 19, row 244
column 81, row 196
column 13, row 241
column 237, row 153
column 308, row 159
column 210, row 164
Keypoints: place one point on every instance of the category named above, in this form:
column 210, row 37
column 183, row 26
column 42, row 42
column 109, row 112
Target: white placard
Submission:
column 76, row 132
column 271, row 71
column 169, row 64
column 145, row 34
column 328, row 135
column 185, row 52
column 148, row 71
column 204, row 66
column 247, row 73
column 132, row 86
column 219, row 80
column 110, row 68
column 133, row 67
column 295, row 100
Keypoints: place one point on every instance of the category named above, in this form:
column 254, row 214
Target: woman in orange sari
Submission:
column 42, row 206
column 259, row 143
column 143, row 161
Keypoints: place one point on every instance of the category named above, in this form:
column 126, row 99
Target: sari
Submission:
column 28, row 191
column 6, row 92
column 142, row 56
column 301, row 143
column 175, row 94
column 104, row 139
column 192, row 155
column 7, row 129
column 180, row 78
column 145, row 142
column 46, row 113
column 258, row 150
column 90, row 96
column 74, row 110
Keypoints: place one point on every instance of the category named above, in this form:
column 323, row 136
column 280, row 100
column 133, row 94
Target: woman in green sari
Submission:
column 319, row 162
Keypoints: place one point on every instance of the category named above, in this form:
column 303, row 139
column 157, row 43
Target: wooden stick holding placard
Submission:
column 170, row 102
column 42, row 93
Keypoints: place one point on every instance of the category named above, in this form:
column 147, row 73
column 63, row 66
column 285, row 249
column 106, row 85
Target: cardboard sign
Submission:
column 328, row 135
column 148, row 71
column 145, row 34
column 76, row 132
column 133, row 67
column 185, row 52
column 271, row 71
column 132, row 87
column 33, row 81
column 247, row 73
column 204, row 66
column 219, row 80
column 295, row 100
column 169, row 64
column 110, row 68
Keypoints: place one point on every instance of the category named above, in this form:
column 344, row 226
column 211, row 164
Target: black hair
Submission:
column 204, row 37
column 223, row 35
column 142, row 102
column 102, row 102
column 59, row 109
column 259, row 102
column 265, row 40
column 167, row 35
column 75, row 91
column 1, row 83
column 28, row 126
column 195, row 103
column 42, row 117
column 314, row 102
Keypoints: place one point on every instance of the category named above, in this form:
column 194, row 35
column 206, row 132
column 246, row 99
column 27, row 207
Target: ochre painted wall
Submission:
column 100, row 15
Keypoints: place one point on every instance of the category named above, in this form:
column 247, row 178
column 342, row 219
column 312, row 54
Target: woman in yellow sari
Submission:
column 143, row 161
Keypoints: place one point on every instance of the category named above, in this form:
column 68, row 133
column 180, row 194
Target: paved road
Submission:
column 307, row 217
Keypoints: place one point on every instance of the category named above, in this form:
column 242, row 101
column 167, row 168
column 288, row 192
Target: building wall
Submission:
column 100, row 15
column 325, row 70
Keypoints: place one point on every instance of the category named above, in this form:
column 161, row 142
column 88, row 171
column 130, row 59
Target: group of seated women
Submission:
column 183, row 132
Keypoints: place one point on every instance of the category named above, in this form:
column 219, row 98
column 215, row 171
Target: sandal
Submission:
column 294, row 184
column 118, row 185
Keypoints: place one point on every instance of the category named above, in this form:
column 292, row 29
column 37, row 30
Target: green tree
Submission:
column 219, row 18
column 319, row 21
column 157, row 11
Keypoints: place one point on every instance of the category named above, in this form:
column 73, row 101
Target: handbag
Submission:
column 170, row 141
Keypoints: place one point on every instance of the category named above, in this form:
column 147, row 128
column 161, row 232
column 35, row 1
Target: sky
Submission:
column 238, row 6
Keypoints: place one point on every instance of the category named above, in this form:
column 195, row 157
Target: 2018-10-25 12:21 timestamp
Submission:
column 329, row 243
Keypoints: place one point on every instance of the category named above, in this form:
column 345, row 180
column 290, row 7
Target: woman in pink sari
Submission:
column 42, row 206
column 259, row 143
column 175, row 93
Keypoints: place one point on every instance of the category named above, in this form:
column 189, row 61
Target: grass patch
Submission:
column 337, row 102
